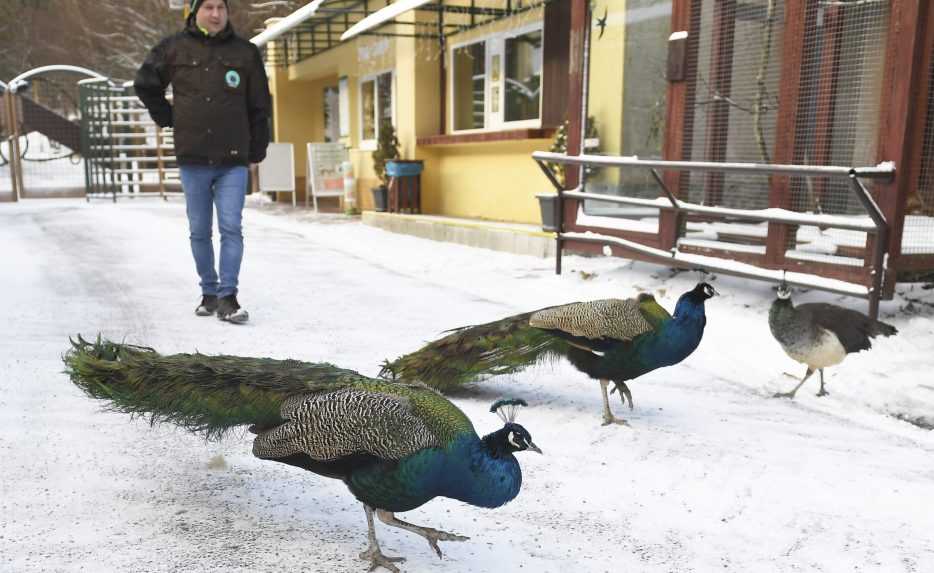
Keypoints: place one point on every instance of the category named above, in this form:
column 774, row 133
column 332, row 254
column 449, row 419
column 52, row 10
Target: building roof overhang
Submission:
column 322, row 25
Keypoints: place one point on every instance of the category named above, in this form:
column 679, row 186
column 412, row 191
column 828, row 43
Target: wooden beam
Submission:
column 577, row 63
column 580, row 25
column 800, row 19
column 679, row 115
column 555, row 64
column 909, row 37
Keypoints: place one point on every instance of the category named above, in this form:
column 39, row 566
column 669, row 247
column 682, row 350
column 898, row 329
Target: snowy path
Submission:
column 712, row 476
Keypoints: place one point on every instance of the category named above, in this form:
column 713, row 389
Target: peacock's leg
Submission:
column 792, row 393
column 608, row 417
column 624, row 393
column 372, row 553
column 432, row 535
column 822, row 392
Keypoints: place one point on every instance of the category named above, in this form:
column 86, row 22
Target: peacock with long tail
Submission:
column 611, row 340
column 396, row 445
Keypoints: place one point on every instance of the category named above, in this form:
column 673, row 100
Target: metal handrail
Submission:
column 884, row 170
column 879, row 225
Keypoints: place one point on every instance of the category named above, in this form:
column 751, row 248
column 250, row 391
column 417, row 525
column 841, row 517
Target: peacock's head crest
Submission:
column 513, row 437
column 784, row 291
column 507, row 409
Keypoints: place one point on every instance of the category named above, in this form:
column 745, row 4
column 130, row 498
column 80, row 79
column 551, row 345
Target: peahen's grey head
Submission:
column 784, row 291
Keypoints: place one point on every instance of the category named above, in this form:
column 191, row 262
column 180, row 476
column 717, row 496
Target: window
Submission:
column 375, row 107
column 523, row 76
column 496, row 82
column 469, row 91
column 331, row 114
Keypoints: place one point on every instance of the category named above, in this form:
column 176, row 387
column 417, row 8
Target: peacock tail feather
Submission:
column 473, row 353
column 204, row 394
column 213, row 394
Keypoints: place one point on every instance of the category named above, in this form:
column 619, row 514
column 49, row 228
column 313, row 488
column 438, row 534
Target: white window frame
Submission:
column 495, row 44
column 371, row 144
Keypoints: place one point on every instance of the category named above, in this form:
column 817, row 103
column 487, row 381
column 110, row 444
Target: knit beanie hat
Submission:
column 195, row 4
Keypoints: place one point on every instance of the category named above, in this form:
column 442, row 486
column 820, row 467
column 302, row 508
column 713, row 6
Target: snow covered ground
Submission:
column 713, row 475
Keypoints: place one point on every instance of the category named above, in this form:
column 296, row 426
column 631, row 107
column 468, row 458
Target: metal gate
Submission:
column 125, row 153
column 40, row 152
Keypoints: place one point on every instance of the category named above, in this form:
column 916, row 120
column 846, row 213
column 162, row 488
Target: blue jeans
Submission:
column 224, row 187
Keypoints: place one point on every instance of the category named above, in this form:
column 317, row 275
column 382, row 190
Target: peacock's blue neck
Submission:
column 476, row 475
column 677, row 338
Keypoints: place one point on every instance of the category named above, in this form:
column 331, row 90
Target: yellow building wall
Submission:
column 489, row 180
column 605, row 93
column 497, row 181
column 354, row 60
column 297, row 118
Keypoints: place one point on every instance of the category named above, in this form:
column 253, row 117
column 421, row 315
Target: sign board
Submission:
column 277, row 171
column 177, row 4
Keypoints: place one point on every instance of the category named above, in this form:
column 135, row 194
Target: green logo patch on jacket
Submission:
column 232, row 78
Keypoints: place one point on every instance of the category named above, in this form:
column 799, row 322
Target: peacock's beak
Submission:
column 533, row 448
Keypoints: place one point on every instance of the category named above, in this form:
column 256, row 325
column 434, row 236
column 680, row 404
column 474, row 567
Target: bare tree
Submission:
column 111, row 37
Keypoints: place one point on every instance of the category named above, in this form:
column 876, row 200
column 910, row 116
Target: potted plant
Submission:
column 387, row 149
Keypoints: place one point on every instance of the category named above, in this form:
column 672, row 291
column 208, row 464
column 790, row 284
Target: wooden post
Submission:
column 580, row 25
column 901, row 118
column 679, row 115
column 577, row 62
column 16, row 166
column 800, row 18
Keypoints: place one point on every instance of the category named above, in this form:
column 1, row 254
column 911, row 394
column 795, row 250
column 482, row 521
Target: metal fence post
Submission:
column 16, row 171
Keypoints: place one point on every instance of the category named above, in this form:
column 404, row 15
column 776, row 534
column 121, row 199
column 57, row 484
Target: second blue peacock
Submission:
column 611, row 340
column 395, row 445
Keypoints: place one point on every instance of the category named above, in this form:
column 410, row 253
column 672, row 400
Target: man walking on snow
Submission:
column 220, row 116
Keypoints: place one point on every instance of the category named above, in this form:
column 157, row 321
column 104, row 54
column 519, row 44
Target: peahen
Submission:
column 820, row 334
column 610, row 340
column 395, row 445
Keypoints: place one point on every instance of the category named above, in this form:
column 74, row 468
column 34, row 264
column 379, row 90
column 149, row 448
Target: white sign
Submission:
column 177, row 4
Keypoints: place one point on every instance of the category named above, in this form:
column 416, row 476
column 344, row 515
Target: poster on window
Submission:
column 344, row 106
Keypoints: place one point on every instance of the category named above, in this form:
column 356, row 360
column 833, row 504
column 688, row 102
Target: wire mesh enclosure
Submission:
column 918, row 237
column 737, row 97
column 835, row 83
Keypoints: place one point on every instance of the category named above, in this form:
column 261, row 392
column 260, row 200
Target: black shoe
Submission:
column 208, row 305
column 229, row 309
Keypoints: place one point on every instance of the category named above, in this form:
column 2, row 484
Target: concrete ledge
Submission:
column 506, row 237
